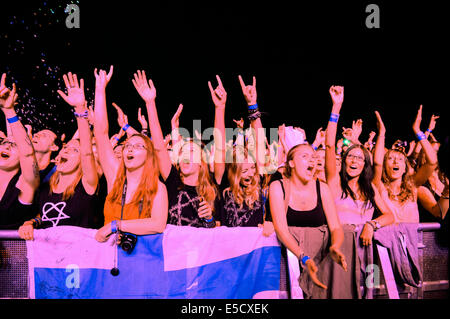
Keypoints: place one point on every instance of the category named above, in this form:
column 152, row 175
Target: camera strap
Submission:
column 124, row 195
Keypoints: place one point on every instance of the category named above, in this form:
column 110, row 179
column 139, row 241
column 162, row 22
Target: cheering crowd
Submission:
column 140, row 180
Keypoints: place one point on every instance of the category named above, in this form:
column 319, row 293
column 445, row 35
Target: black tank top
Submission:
column 78, row 210
column 12, row 212
column 306, row 218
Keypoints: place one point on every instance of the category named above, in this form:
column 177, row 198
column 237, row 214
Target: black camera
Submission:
column 128, row 242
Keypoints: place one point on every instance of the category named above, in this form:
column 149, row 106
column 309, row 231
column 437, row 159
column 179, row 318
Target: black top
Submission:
column 309, row 218
column 232, row 215
column 47, row 172
column 12, row 212
column 183, row 202
column 424, row 215
column 274, row 177
column 79, row 210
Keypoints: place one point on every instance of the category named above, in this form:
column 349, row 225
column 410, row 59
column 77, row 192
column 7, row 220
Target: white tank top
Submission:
column 353, row 212
column 403, row 213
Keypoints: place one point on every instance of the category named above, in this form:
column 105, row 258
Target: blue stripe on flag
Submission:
column 142, row 275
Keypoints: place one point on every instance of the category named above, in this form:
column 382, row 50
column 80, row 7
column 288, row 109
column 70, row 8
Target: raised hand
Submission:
column 3, row 89
column 146, row 89
column 7, row 97
column 122, row 119
column 356, row 130
column 75, row 91
column 142, row 120
column 249, row 91
column 218, row 95
column 418, row 120
column 432, row 124
column 175, row 121
column 337, row 94
column 380, row 125
column 239, row 123
column 102, row 78
column 320, row 137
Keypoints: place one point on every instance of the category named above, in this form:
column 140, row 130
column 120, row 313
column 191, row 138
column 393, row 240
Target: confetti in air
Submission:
column 36, row 73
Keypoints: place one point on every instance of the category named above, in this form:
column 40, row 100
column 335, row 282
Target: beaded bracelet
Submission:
column 85, row 114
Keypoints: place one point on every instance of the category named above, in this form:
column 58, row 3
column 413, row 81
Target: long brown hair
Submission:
column 70, row 190
column 249, row 194
column 148, row 185
column 205, row 187
column 407, row 185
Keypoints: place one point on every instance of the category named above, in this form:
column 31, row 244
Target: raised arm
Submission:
column 122, row 120
column 75, row 98
column 106, row 156
column 379, row 152
column 337, row 97
column 29, row 178
column 425, row 171
column 147, row 91
column 254, row 117
column 219, row 97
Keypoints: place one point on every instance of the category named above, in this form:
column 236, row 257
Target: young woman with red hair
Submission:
column 137, row 200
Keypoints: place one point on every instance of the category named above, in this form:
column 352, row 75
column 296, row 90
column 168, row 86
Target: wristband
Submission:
column 429, row 131
column 421, row 136
column 253, row 107
column 125, row 127
column 114, row 226
column 314, row 147
column 209, row 220
column 334, row 118
column 305, row 259
column 13, row 119
column 85, row 114
column 116, row 138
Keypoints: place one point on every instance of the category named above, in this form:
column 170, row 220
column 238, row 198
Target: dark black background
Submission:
column 296, row 50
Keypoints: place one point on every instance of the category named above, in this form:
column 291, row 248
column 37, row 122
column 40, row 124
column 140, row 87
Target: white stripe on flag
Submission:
column 180, row 243
column 63, row 246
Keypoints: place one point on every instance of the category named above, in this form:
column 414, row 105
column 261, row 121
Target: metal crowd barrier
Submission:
column 433, row 259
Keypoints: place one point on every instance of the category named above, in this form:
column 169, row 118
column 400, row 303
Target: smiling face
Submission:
column 354, row 162
column 303, row 163
column 395, row 164
column 69, row 157
column 9, row 155
column 134, row 152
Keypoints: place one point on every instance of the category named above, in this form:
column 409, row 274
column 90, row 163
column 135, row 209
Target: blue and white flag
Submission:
column 183, row 262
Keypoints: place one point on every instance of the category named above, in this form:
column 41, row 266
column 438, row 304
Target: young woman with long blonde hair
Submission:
column 192, row 194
